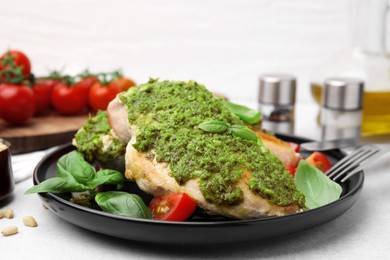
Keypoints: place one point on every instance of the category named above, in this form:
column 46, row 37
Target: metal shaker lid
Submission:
column 277, row 89
column 343, row 94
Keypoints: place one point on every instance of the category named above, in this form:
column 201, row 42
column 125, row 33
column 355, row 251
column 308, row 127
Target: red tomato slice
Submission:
column 172, row 207
column 319, row 160
column 296, row 147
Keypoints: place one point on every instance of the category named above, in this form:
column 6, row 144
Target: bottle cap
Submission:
column 343, row 94
column 277, row 89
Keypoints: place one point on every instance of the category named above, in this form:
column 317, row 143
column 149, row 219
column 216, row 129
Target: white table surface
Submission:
column 363, row 232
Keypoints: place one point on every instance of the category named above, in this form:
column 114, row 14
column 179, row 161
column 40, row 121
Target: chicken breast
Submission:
column 117, row 116
column 155, row 174
column 154, row 178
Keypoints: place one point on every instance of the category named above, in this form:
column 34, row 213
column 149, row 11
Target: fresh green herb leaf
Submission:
column 73, row 166
column 243, row 132
column 123, row 204
column 315, row 185
column 56, row 185
column 217, row 127
column 74, row 174
column 107, row 176
column 214, row 126
column 246, row 114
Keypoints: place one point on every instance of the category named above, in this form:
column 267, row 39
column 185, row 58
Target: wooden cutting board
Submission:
column 42, row 132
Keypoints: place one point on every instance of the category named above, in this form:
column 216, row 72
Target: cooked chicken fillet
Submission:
column 156, row 178
column 117, row 116
column 280, row 148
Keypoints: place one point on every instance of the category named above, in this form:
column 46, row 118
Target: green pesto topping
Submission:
column 168, row 114
column 96, row 143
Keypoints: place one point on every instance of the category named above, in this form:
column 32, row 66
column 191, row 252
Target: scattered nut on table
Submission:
column 8, row 231
column 29, row 221
column 8, row 213
column 1, row 214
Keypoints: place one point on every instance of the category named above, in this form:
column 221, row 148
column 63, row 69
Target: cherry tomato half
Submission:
column 319, row 160
column 101, row 95
column 172, row 207
column 17, row 103
column 68, row 100
column 19, row 58
column 291, row 169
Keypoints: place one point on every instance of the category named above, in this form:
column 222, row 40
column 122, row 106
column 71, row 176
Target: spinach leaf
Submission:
column 246, row 114
column 214, row 126
column 315, row 185
column 123, row 204
column 243, row 132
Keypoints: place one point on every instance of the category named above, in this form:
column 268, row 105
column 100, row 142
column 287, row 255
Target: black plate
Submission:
column 200, row 229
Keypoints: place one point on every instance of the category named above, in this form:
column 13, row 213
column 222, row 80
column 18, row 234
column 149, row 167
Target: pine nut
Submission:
column 29, row 221
column 8, row 213
column 8, row 231
column 1, row 214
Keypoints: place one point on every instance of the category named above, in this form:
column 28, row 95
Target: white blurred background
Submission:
column 224, row 44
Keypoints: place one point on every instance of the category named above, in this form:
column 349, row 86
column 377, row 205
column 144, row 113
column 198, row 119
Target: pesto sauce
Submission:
column 89, row 140
column 167, row 114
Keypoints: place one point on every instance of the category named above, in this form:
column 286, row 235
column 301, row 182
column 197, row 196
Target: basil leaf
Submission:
column 214, row 126
column 73, row 166
column 243, row 132
column 56, row 185
column 315, row 185
column 123, row 204
column 107, row 176
column 246, row 114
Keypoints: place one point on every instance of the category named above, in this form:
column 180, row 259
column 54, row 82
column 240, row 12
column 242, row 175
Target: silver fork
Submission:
column 354, row 162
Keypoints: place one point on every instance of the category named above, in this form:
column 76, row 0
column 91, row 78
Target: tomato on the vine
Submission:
column 17, row 58
column 17, row 103
column 86, row 83
column 42, row 92
column 172, row 207
column 68, row 99
column 123, row 83
column 100, row 95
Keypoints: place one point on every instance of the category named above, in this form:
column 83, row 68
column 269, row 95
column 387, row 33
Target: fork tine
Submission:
column 358, row 169
column 366, row 155
column 340, row 165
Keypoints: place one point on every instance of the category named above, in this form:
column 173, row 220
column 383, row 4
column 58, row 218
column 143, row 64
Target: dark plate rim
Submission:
column 356, row 188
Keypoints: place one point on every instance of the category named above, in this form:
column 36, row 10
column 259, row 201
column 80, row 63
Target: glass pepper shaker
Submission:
column 276, row 102
column 341, row 113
